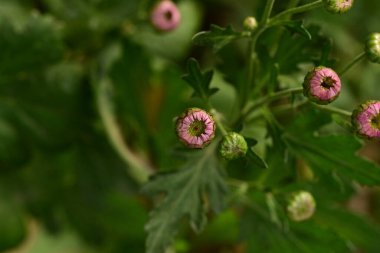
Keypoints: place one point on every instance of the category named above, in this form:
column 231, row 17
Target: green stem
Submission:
column 252, row 53
column 271, row 203
column 218, row 122
column 137, row 167
column 267, row 11
column 295, row 10
column 332, row 109
column 272, row 97
column 357, row 59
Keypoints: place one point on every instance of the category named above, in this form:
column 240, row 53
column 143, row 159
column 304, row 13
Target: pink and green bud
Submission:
column 338, row 6
column 366, row 120
column 250, row 23
column 233, row 146
column 372, row 47
column 301, row 206
column 165, row 16
column 195, row 128
column 322, row 85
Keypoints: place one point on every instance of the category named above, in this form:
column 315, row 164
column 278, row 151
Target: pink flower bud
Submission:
column 165, row 16
column 366, row 120
column 322, row 85
column 338, row 6
column 195, row 128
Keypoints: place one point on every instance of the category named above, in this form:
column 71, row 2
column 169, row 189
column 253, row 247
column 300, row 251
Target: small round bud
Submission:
column 366, row 120
column 321, row 85
column 165, row 16
column 372, row 47
column 250, row 23
column 195, row 128
column 233, row 146
column 338, row 6
column 301, row 206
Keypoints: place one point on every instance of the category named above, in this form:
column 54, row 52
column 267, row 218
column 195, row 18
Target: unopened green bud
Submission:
column 372, row 47
column 301, row 206
column 233, row 146
column 250, row 23
column 338, row 6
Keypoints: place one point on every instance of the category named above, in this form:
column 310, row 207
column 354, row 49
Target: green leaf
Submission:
column 217, row 37
column 200, row 82
column 328, row 154
column 12, row 224
column 188, row 191
column 38, row 40
column 298, row 27
column 352, row 228
column 255, row 160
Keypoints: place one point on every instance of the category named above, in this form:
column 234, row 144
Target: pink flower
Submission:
column 165, row 16
column 322, row 85
column 366, row 120
column 195, row 128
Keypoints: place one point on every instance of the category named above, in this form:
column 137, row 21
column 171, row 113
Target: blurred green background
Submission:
column 63, row 186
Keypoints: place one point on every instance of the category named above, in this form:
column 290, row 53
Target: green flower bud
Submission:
column 338, row 6
column 250, row 23
column 233, row 146
column 301, row 206
column 372, row 47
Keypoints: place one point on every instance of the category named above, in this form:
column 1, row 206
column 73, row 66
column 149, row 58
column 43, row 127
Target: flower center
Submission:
column 168, row 15
column 327, row 82
column 376, row 122
column 197, row 128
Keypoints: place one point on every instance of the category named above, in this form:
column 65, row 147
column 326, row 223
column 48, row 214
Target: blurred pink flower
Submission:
column 165, row 16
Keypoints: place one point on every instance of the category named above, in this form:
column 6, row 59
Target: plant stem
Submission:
column 218, row 122
column 267, row 11
column 332, row 109
column 252, row 53
column 271, row 98
column 295, row 10
column 271, row 203
column 357, row 59
column 137, row 167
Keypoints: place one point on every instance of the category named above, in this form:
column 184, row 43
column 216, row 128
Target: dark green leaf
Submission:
column 328, row 154
column 298, row 27
column 255, row 161
column 200, row 82
column 185, row 192
column 217, row 37
column 352, row 228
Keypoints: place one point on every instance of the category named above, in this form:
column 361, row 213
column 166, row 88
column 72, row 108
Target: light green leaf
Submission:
column 188, row 191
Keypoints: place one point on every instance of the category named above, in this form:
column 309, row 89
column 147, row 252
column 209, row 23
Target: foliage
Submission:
column 89, row 157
